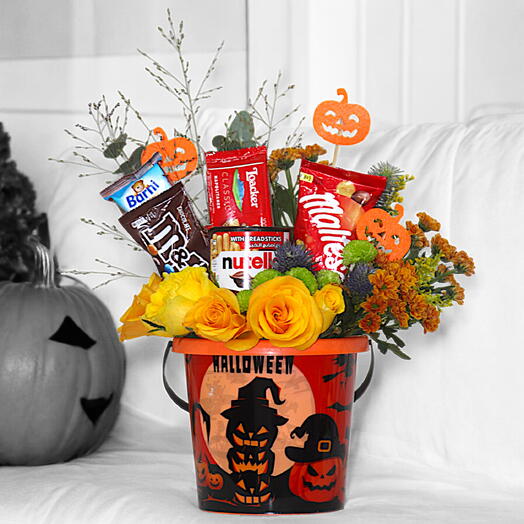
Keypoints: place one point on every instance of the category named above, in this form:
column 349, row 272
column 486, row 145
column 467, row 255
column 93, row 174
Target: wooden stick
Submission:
column 335, row 154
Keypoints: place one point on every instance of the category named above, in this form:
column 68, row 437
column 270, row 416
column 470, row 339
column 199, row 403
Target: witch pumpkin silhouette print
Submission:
column 252, row 430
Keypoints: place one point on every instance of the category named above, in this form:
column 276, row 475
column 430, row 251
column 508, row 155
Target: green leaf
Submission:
column 399, row 352
column 134, row 162
column 115, row 148
column 219, row 142
column 281, row 200
column 384, row 347
column 242, row 127
column 233, row 144
column 398, row 341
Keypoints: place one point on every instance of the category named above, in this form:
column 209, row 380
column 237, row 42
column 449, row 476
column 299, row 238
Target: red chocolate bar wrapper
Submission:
column 330, row 202
column 168, row 230
column 238, row 188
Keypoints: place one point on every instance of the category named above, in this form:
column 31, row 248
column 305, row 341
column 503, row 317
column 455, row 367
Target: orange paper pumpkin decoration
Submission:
column 179, row 155
column 341, row 123
column 386, row 230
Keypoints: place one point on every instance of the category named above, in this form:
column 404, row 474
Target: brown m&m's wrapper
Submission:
column 168, row 230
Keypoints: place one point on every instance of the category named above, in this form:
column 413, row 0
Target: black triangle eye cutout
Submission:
column 71, row 334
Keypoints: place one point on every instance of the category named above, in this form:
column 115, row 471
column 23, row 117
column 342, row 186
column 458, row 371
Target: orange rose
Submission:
column 217, row 317
column 283, row 311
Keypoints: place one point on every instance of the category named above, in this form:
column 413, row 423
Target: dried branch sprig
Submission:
column 179, row 85
column 106, row 138
column 264, row 107
column 116, row 234
column 294, row 139
column 114, row 273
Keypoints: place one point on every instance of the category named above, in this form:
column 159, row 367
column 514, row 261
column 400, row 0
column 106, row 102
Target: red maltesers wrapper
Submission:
column 330, row 202
column 238, row 188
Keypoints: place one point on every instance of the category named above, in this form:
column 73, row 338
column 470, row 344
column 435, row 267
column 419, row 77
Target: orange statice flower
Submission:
column 463, row 263
column 417, row 305
column 431, row 319
column 284, row 158
column 281, row 159
column 418, row 238
column 312, row 152
column 382, row 259
column 398, row 310
column 457, row 291
column 384, row 284
column 375, row 304
column 370, row 323
column 440, row 244
column 427, row 223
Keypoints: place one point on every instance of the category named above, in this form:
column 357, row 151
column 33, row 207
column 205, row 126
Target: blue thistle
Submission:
column 289, row 255
column 357, row 280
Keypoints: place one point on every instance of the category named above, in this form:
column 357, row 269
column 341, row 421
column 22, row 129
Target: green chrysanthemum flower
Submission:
column 325, row 277
column 305, row 276
column 358, row 251
column 243, row 299
column 264, row 276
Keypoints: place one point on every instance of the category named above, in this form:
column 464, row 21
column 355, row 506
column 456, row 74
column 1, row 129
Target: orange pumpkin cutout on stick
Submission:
column 386, row 230
column 179, row 155
column 341, row 123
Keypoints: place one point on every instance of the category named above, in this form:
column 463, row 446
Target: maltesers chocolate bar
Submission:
column 330, row 202
column 168, row 230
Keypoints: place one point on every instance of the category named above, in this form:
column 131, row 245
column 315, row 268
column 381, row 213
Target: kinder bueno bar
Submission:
column 132, row 190
column 330, row 203
column 238, row 188
column 239, row 253
column 167, row 229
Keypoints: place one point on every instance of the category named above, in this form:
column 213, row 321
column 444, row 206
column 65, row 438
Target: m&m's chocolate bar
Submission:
column 168, row 230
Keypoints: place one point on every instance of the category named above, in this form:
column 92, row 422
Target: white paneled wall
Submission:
column 55, row 57
column 408, row 61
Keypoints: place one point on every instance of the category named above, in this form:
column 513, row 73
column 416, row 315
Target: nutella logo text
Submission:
column 248, row 260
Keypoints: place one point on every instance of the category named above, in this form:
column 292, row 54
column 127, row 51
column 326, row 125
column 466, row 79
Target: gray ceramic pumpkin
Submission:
column 61, row 370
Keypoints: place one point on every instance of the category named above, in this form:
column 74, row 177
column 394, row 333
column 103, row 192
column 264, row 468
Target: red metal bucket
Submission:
column 271, row 425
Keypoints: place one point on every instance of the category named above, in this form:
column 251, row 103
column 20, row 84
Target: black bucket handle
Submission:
column 181, row 403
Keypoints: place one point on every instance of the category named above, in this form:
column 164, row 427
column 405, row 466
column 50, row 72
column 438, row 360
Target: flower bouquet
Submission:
column 270, row 295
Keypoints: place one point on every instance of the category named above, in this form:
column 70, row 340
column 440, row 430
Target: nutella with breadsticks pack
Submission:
column 239, row 253
column 330, row 203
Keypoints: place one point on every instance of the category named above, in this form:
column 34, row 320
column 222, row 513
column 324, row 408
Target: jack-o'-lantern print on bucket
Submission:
column 270, row 433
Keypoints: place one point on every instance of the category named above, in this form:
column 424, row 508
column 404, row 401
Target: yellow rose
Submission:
column 132, row 325
column 175, row 296
column 330, row 301
column 283, row 311
column 217, row 317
